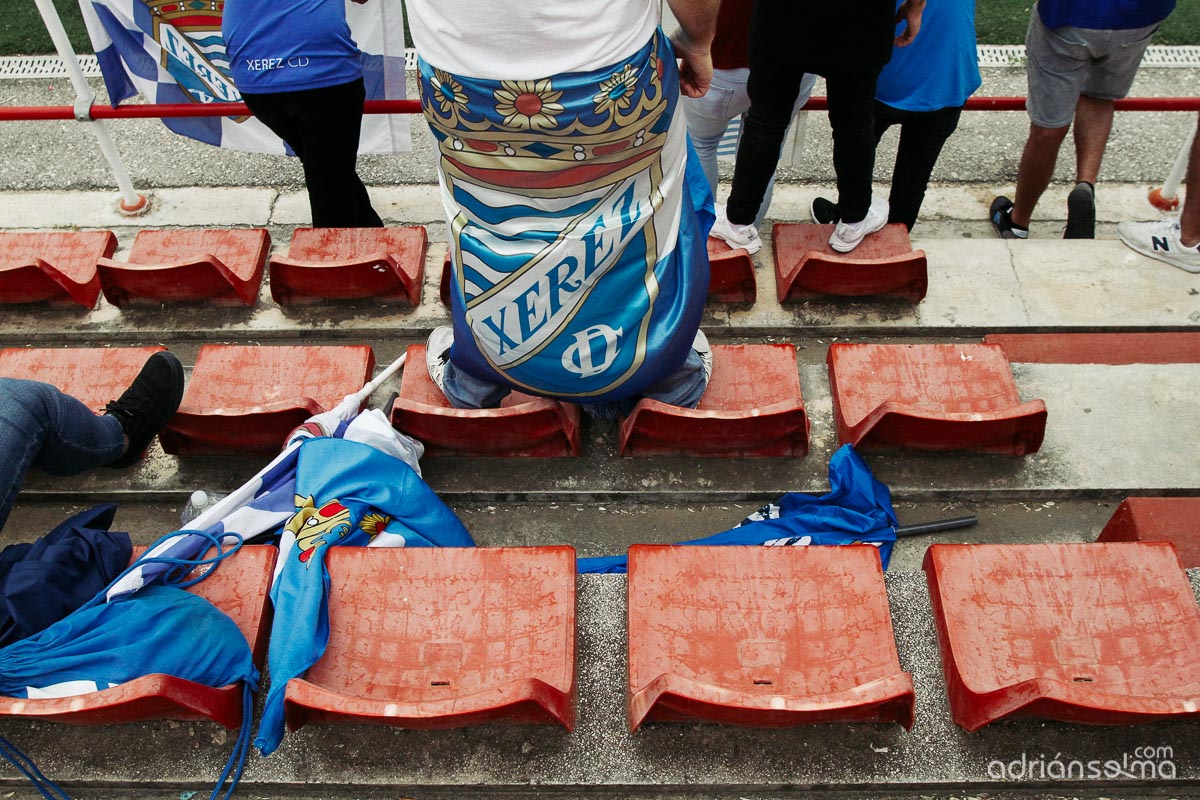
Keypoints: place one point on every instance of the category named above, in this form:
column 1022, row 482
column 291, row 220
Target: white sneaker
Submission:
column 849, row 235
column 744, row 236
column 1160, row 240
column 437, row 353
column 702, row 348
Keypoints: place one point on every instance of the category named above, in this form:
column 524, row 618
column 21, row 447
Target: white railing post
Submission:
column 131, row 203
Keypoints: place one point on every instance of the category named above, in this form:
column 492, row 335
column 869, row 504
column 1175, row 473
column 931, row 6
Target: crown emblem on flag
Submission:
column 193, row 50
column 206, row 12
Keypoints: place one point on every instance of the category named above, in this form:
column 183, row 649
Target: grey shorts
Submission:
column 1067, row 62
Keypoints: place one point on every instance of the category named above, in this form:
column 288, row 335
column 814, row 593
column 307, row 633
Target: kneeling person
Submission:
column 577, row 222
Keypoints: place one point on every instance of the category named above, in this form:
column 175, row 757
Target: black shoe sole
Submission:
column 1081, row 215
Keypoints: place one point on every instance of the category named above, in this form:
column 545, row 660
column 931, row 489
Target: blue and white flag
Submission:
column 260, row 505
column 338, row 482
column 856, row 510
column 266, row 501
column 171, row 51
column 346, row 494
column 578, row 225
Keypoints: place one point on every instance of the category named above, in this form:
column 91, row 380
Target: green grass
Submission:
column 23, row 32
column 997, row 21
column 1004, row 22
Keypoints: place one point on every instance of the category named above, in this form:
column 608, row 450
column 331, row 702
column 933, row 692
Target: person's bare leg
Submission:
column 1035, row 170
column 1093, row 123
column 1189, row 219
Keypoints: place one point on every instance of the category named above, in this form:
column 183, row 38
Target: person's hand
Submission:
column 696, row 71
column 909, row 13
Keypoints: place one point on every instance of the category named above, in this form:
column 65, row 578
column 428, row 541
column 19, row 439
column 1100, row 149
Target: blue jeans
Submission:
column 683, row 387
column 708, row 116
column 42, row 427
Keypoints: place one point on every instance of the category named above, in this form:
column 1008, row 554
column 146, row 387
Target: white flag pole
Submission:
column 132, row 204
column 1171, row 188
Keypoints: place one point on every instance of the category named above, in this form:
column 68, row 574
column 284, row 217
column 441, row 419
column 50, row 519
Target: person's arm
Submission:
column 693, row 42
column 910, row 13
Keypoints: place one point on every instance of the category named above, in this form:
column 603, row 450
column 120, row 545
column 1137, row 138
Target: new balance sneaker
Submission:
column 1161, row 240
column 744, row 236
column 824, row 212
column 1001, row 216
column 702, row 348
column 151, row 400
column 437, row 353
column 849, row 235
column 1081, row 212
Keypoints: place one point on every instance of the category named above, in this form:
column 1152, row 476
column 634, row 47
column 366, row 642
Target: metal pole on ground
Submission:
column 131, row 203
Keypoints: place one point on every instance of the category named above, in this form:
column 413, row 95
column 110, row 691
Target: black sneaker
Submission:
column 147, row 404
column 1081, row 213
column 1001, row 216
column 823, row 211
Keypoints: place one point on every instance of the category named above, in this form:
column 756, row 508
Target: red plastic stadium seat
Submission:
column 523, row 425
column 884, row 264
column 443, row 638
column 731, row 277
column 732, row 274
column 764, row 636
column 344, row 263
column 247, row 399
column 1165, row 347
column 932, row 397
column 53, row 266
column 1102, row 634
column 92, row 375
column 752, row 407
column 1158, row 519
column 224, row 265
column 240, row 587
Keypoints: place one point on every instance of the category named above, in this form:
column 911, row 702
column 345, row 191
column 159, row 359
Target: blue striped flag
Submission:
column 171, row 51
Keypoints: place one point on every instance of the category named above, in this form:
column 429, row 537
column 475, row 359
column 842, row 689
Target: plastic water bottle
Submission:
column 197, row 504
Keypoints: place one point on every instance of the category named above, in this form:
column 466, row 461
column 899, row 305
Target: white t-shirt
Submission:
column 529, row 39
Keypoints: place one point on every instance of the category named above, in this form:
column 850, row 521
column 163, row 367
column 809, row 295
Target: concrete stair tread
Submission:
column 1106, row 435
column 976, row 286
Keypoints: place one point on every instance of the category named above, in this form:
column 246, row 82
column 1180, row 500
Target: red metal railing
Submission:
column 163, row 111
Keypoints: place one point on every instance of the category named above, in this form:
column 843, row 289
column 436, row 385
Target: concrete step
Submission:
column 1107, row 436
column 975, row 288
column 610, row 527
column 976, row 285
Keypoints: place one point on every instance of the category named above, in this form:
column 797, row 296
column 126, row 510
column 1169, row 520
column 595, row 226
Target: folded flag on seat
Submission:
column 856, row 510
column 347, row 493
